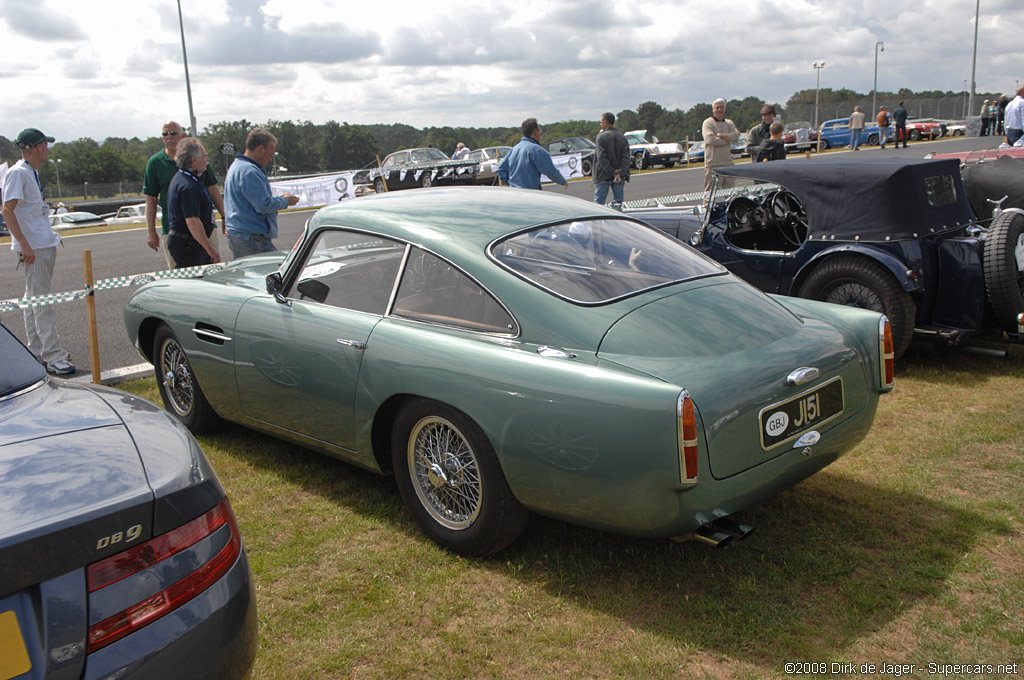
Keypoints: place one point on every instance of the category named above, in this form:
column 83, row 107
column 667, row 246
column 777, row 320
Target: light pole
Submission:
column 974, row 57
column 965, row 99
column 817, row 86
column 56, row 164
column 188, row 84
column 879, row 46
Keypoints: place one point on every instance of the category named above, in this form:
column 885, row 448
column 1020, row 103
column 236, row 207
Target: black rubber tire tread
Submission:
column 379, row 186
column 201, row 417
column 825, row 146
column 874, row 279
column 914, row 135
column 588, row 167
column 426, row 180
column 1004, row 283
column 640, row 160
column 872, row 140
column 670, row 164
column 501, row 518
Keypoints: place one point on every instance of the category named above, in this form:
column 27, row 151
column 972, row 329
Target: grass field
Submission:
column 910, row 550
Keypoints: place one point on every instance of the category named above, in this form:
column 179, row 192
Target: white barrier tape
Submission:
column 108, row 284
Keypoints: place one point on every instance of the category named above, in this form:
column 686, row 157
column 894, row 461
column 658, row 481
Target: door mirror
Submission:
column 274, row 286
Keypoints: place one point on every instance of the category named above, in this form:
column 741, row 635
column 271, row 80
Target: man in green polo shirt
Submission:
column 160, row 170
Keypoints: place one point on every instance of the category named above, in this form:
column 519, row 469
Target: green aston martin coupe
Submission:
column 505, row 351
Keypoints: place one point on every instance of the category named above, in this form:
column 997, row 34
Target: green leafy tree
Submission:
column 225, row 132
column 649, row 113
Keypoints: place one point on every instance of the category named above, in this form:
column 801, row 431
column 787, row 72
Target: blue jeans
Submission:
column 855, row 137
column 1013, row 134
column 251, row 245
column 601, row 191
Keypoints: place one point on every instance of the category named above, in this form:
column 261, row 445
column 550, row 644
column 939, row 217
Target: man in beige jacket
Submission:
column 719, row 134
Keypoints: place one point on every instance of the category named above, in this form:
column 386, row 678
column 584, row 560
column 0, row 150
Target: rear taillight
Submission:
column 687, row 435
column 142, row 557
column 887, row 353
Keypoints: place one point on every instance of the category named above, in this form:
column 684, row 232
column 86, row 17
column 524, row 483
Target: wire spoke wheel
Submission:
column 446, row 474
column 177, row 383
column 451, row 480
column 177, row 377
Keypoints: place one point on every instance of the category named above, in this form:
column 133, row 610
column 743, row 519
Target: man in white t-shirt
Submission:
column 35, row 241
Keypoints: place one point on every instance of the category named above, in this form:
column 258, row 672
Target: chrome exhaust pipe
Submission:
column 708, row 534
column 733, row 528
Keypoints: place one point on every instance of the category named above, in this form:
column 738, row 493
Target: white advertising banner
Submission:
column 317, row 191
column 570, row 165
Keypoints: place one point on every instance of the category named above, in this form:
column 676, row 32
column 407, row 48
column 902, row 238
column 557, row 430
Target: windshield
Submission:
column 20, row 368
column 428, row 155
column 598, row 261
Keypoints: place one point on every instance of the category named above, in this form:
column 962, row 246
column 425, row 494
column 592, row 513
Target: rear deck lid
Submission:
column 733, row 348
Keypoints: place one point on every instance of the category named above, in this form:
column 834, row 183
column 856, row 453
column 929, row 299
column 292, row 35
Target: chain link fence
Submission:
column 90, row 190
column 941, row 108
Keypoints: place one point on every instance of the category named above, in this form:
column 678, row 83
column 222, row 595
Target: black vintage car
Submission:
column 894, row 235
column 418, row 168
column 581, row 145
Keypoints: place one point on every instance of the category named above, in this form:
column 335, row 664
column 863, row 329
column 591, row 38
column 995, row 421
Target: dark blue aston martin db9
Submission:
column 119, row 553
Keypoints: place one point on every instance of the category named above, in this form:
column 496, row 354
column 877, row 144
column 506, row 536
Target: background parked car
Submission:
column 129, row 214
column 580, row 145
column 836, row 132
column 653, row 152
column 418, row 168
column 696, row 152
column 75, row 220
column 504, row 352
column 798, row 136
column 890, row 234
column 119, row 553
column 488, row 159
column 918, row 129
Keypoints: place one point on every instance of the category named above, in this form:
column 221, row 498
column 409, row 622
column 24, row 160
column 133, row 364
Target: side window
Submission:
column 434, row 291
column 350, row 270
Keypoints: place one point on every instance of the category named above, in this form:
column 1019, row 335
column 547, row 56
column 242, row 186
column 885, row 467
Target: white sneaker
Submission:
column 62, row 367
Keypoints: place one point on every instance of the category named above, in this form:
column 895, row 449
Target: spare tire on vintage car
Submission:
column 1004, row 267
column 993, row 180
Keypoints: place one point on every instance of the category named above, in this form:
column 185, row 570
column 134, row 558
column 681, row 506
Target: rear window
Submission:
column 598, row 261
column 940, row 190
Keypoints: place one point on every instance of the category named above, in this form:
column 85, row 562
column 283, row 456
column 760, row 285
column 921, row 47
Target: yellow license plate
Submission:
column 13, row 655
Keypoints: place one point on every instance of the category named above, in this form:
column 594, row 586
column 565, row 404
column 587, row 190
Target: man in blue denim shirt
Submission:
column 528, row 160
column 251, row 207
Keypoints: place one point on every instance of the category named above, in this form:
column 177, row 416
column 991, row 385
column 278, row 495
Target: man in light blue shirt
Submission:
column 1013, row 119
column 528, row 160
column 251, row 206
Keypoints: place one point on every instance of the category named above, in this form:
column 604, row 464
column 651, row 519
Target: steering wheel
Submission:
column 789, row 213
column 741, row 214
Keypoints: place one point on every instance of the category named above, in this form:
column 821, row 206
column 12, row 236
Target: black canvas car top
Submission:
column 883, row 199
column 993, row 180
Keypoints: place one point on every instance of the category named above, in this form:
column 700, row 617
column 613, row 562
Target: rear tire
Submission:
column 861, row 282
column 670, row 164
column 872, row 140
column 426, row 180
column 451, row 481
column 825, row 146
column 914, row 135
column 180, row 391
column 1004, row 268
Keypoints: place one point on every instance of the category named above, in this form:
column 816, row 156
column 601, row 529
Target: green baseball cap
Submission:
column 29, row 137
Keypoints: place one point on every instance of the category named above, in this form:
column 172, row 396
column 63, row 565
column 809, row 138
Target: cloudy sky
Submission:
column 114, row 68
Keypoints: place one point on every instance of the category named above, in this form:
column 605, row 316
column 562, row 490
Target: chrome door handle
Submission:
column 352, row 343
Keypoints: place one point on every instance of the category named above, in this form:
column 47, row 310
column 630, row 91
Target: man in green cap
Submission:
column 35, row 241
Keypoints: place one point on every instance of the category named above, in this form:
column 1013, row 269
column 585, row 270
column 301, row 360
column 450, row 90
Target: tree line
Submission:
column 305, row 147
